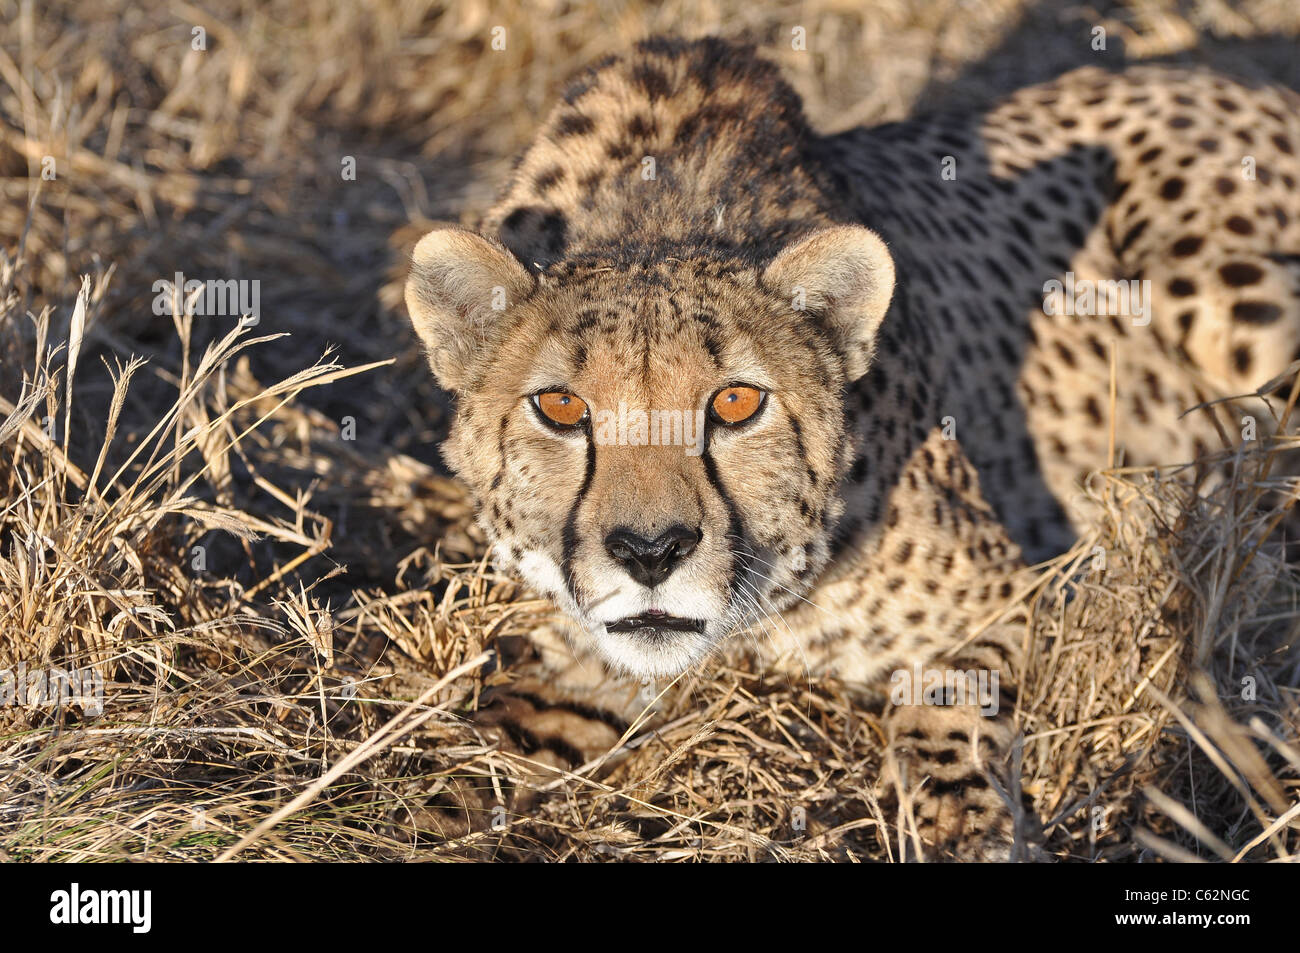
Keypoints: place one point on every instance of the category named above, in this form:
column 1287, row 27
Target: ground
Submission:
column 289, row 148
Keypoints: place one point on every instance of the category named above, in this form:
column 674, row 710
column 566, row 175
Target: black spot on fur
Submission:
column 641, row 127
column 1255, row 312
column 1132, row 235
column 547, row 180
column 573, row 124
column 1238, row 274
column 653, row 81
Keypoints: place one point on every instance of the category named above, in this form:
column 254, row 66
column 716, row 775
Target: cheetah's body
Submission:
column 884, row 512
column 1140, row 177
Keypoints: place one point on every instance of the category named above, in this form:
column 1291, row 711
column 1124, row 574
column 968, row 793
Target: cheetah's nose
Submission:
column 651, row 561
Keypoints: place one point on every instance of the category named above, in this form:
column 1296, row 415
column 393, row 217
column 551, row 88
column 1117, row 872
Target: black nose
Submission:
column 651, row 561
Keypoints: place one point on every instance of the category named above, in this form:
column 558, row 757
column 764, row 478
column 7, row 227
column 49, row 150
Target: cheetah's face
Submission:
column 656, row 448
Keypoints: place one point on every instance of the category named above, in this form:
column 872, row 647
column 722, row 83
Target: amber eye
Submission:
column 734, row 405
column 560, row 408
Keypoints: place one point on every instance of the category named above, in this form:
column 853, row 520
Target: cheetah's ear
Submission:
column 846, row 274
column 459, row 287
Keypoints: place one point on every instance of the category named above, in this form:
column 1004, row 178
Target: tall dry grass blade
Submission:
column 76, row 331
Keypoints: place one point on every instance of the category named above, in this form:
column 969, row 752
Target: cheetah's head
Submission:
column 655, row 446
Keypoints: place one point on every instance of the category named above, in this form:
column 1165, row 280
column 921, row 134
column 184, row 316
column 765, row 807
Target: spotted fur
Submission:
column 927, row 422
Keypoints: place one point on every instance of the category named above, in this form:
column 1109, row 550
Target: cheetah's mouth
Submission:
column 651, row 625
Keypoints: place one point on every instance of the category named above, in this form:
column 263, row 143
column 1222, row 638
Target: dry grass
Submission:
column 248, row 534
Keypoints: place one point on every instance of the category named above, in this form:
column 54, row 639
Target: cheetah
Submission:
column 893, row 347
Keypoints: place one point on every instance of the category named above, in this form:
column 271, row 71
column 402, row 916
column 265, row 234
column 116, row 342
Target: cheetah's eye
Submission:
column 561, row 409
column 734, row 405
